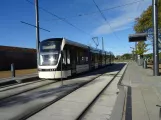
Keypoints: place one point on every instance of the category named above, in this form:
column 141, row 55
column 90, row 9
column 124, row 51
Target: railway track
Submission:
column 16, row 85
column 10, row 92
column 17, row 81
column 8, row 87
column 31, row 101
column 15, row 89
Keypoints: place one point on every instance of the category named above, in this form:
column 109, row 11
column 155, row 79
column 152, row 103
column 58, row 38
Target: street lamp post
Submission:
column 155, row 39
column 142, row 37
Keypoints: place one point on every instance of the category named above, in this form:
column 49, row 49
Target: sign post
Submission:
column 61, row 67
column 137, row 38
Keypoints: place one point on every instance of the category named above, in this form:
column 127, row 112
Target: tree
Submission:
column 126, row 56
column 150, row 56
column 144, row 22
column 118, row 57
column 160, row 56
column 141, row 48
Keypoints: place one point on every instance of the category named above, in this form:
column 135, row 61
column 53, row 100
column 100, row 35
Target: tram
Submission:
column 59, row 57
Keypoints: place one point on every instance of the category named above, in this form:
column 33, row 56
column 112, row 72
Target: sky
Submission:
column 83, row 14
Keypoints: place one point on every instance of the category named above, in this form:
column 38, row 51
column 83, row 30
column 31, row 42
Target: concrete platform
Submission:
column 102, row 108
column 144, row 93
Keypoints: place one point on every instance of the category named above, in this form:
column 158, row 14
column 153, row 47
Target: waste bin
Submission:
column 140, row 62
column 145, row 64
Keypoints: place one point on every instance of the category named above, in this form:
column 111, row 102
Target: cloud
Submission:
column 124, row 17
column 116, row 25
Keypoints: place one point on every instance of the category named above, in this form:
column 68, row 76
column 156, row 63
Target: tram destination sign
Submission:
column 138, row 37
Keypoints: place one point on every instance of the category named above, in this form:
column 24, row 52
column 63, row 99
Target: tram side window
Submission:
column 108, row 59
column 81, row 57
column 86, row 56
column 102, row 58
column 64, row 57
column 78, row 59
column 92, row 57
column 96, row 58
column 68, row 57
column 86, row 59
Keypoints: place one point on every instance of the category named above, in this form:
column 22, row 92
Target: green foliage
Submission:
column 150, row 55
column 118, row 57
column 126, row 56
column 160, row 56
column 141, row 48
column 144, row 22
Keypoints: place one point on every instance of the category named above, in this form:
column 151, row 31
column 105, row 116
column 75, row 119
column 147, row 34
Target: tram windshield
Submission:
column 49, row 59
column 49, row 52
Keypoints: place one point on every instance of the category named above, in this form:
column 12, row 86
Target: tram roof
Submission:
column 76, row 43
column 95, row 50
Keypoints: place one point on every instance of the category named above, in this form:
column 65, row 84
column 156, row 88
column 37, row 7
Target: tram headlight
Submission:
column 51, row 59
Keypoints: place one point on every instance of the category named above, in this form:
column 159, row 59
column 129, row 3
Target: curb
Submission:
column 118, row 110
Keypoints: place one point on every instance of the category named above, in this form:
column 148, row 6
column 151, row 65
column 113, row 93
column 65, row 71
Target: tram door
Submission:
column 73, row 60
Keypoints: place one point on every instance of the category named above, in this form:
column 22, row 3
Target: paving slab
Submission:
column 139, row 110
column 97, row 117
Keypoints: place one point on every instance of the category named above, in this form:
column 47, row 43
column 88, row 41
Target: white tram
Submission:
column 56, row 54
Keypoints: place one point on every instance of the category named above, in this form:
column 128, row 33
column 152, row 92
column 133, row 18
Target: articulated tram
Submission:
column 56, row 54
